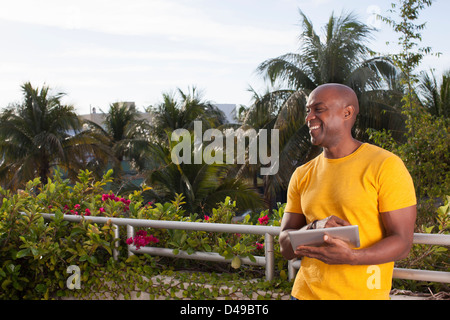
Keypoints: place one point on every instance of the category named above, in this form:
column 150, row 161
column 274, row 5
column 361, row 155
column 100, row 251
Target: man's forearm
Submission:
column 391, row 248
column 285, row 245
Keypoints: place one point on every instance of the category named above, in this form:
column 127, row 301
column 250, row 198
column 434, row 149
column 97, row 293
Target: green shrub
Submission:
column 35, row 254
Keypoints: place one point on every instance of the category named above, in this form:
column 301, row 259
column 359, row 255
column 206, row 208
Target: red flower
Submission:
column 263, row 220
column 87, row 212
column 259, row 245
column 141, row 239
column 101, row 209
column 206, row 217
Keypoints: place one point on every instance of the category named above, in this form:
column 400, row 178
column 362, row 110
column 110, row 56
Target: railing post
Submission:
column 116, row 242
column 270, row 258
column 130, row 234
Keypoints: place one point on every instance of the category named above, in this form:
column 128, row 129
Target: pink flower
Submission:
column 259, row 245
column 77, row 206
column 105, row 197
column 141, row 239
column 141, row 233
column 263, row 220
column 87, row 212
column 206, row 217
column 101, row 209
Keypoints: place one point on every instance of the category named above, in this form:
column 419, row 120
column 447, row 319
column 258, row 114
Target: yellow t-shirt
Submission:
column 355, row 188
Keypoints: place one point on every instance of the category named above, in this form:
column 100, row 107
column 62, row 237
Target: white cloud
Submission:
column 138, row 17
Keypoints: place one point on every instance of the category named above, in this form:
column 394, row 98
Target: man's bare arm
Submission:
column 399, row 227
column 291, row 221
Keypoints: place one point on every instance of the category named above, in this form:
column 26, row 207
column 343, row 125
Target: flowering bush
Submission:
column 34, row 253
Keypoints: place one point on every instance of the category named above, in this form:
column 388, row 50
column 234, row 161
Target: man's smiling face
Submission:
column 324, row 118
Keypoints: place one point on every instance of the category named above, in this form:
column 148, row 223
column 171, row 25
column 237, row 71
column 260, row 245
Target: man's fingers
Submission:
column 336, row 222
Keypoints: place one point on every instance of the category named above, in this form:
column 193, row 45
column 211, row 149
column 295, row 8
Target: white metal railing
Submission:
column 269, row 232
column 268, row 260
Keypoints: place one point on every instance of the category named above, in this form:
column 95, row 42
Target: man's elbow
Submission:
column 406, row 249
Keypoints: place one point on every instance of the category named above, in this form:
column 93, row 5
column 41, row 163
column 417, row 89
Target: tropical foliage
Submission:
column 35, row 254
column 339, row 55
column 403, row 112
column 38, row 135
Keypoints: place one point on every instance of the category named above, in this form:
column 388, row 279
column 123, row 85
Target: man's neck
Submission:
column 341, row 150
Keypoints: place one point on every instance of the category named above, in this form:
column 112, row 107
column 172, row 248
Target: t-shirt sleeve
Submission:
column 293, row 203
column 396, row 187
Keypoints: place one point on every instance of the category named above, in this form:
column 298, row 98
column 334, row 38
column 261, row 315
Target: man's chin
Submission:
column 315, row 142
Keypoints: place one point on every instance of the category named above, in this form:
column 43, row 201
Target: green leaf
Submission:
column 236, row 262
column 41, row 288
column 84, row 257
column 76, row 231
column 23, row 253
column 6, row 283
column 132, row 258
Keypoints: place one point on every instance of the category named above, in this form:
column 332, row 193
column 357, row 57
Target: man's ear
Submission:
column 349, row 111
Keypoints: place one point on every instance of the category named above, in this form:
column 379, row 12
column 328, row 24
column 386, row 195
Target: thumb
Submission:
column 328, row 239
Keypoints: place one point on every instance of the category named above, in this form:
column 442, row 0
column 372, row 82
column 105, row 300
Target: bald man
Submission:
column 350, row 183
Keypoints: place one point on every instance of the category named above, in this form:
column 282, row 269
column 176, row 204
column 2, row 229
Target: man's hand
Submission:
column 334, row 251
column 334, row 221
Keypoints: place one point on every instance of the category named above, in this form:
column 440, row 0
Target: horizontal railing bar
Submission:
column 421, row 275
column 197, row 255
column 432, row 239
column 401, row 273
column 183, row 225
column 419, row 238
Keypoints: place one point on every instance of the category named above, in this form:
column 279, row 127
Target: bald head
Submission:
column 342, row 97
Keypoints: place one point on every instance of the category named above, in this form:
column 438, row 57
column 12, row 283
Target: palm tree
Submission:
column 124, row 135
column 181, row 113
column 203, row 185
column 435, row 97
column 38, row 135
column 340, row 56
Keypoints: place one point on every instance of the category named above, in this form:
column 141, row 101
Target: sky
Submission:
column 103, row 51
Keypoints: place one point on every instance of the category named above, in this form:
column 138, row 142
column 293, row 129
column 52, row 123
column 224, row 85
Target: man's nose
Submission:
column 310, row 116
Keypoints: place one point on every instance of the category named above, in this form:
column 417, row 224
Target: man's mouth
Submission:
column 311, row 128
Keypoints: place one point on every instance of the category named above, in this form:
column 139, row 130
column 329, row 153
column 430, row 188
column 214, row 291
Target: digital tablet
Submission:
column 314, row 237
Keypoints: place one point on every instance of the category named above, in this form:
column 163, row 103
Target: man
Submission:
column 350, row 183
